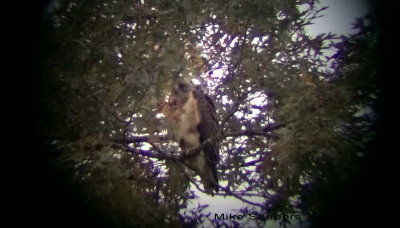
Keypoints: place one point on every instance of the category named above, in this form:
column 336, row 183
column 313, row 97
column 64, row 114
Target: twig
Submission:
column 250, row 163
column 192, row 152
column 229, row 192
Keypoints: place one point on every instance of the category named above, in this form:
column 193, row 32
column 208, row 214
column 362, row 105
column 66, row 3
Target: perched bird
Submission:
column 193, row 119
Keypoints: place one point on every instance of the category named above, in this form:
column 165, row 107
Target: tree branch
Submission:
column 161, row 155
column 230, row 193
column 272, row 127
column 233, row 110
column 227, row 191
column 192, row 152
column 250, row 163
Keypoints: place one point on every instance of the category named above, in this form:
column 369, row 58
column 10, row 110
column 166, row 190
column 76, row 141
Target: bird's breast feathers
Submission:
column 186, row 123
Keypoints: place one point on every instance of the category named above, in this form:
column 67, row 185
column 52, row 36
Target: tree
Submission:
column 295, row 123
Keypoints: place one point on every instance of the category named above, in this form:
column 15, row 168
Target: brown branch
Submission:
column 138, row 139
column 193, row 152
column 230, row 193
column 227, row 191
column 159, row 156
column 233, row 110
column 246, row 164
column 249, row 133
column 272, row 127
column 216, row 139
column 164, row 156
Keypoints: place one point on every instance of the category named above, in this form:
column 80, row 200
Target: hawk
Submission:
column 193, row 119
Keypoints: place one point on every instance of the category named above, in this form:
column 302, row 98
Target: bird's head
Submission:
column 181, row 90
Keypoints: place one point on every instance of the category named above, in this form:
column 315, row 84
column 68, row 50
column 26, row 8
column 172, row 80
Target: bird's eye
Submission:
column 182, row 86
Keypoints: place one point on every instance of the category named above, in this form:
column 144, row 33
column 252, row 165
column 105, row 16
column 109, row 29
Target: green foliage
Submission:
column 110, row 63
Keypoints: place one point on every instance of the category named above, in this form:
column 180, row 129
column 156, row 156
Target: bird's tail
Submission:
column 210, row 182
column 207, row 172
